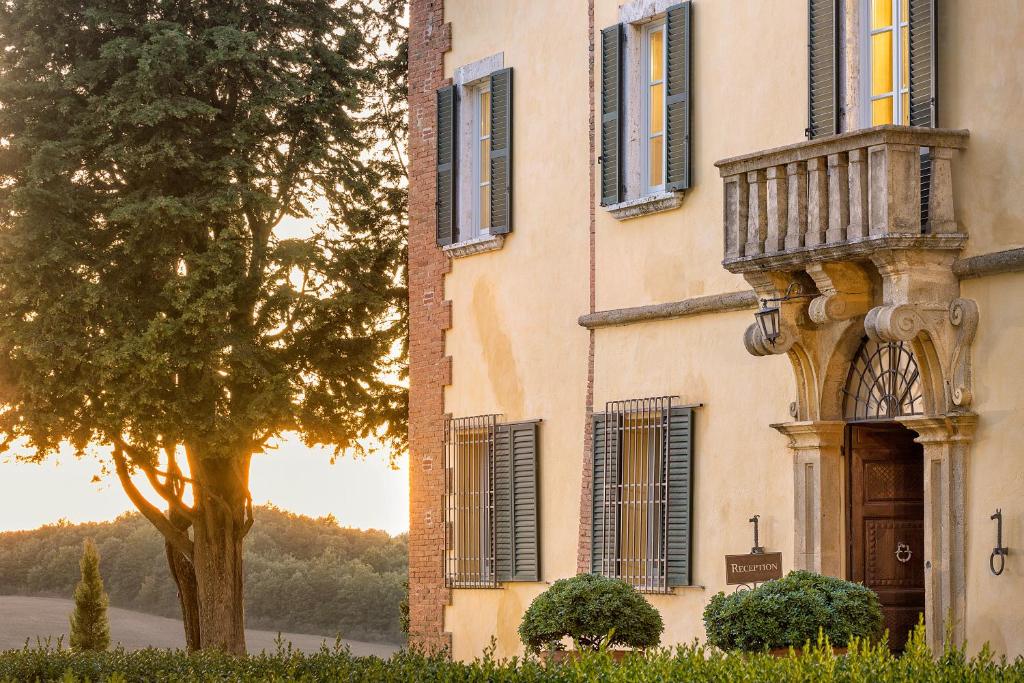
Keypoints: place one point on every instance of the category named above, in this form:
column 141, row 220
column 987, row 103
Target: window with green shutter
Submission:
column 491, row 504
column 642, row 493
column 474, row 168
column 646, row 86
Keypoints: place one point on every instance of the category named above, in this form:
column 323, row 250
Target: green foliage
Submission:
column 90, row 628
column 303, row 575
column 594, row 611
column 863, row 664
column 791, row 611
column 403, row 608
column 151, row 288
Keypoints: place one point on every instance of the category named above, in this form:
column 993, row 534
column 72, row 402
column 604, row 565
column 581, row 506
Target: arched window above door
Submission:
column 884, row 382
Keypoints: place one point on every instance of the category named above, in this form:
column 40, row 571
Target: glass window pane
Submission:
column 485, row 160
column 485, row 113
column 881, row 63
column 657, row 53
column 485, row 206
column 656, row 120
column 881, row 111
column 905, row 114
column 904, row 56
column 656, row 161
column 881, row 13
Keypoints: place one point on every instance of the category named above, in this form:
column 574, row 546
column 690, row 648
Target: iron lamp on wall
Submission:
column 769, row 317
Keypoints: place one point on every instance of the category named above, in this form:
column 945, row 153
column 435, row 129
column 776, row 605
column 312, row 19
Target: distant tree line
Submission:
column 302, row 575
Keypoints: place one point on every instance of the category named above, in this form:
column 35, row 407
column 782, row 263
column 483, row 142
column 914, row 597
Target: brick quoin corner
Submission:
column 429, row 317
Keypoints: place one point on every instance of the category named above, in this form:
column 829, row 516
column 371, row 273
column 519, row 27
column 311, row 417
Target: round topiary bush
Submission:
column 790, row 612
column 587, row 608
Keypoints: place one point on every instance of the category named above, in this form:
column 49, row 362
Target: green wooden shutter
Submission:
column 611, row 106
column 923, row 85
column 501, row 152
column 445, row 204
column 604, row 480
column 516, row 548
column 680, row 495
column 679, row 99
column 923, row 72
column 822, row 68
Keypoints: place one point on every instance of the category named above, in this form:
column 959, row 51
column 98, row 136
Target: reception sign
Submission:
column 747, row 569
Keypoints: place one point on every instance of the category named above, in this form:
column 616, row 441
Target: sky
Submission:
column 365, row 493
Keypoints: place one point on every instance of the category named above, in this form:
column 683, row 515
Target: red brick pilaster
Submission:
column 429, row 317
column 583, row 549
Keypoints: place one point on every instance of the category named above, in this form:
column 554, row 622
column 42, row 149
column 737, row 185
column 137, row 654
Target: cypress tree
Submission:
column 90, row 628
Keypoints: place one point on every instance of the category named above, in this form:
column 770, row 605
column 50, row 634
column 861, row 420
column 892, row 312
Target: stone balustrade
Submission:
column 834, row 197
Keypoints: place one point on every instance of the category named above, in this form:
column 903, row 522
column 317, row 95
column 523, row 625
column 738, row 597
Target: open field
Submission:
column 23, row 617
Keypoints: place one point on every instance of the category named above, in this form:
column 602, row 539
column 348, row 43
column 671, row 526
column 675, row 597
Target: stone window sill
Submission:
column 477, row 245
column 643, row 206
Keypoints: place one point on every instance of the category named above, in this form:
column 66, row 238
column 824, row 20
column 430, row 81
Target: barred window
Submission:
column 490, row 502
column 642, row 493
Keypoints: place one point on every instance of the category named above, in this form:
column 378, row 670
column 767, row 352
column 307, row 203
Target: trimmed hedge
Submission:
column 592, row 610
column 691, row 663
column 791, row 611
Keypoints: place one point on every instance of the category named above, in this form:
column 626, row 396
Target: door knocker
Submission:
column 903, row 552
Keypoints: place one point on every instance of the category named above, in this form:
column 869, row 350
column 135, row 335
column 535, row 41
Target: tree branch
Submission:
column 165, row 489
column 180, row 541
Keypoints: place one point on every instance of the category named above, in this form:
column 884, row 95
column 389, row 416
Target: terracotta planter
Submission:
column 560, row 656
column 784, row 651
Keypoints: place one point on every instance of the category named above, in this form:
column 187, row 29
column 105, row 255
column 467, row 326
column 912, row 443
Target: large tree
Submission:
column 201, row 248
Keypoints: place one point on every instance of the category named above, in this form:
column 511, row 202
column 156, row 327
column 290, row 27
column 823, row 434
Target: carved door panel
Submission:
column 887, row 522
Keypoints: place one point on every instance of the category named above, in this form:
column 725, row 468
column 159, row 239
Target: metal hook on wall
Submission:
column 757, row 549
column 999, row 551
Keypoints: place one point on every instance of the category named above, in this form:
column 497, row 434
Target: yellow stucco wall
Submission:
column 515, row 344
column 995, row 476
column 518, row 350
column 981, row 88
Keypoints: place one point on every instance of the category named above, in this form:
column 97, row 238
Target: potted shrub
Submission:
column 791, row 611
column 595, row 612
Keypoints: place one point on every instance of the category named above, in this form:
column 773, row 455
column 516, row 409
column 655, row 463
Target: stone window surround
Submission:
column 633, row 16
column 464, row 79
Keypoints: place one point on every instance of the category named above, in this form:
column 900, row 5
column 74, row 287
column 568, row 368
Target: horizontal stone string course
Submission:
column 714, row 303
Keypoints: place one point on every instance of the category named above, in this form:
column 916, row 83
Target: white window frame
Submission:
column 477, row 91
column 896, row 26
column 645, row 133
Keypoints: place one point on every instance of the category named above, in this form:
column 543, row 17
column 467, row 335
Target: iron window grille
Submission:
column 469, row 502
column 884, row 382
column 635, row 507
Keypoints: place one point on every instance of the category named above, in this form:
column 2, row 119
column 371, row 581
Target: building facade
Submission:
column 676, row 264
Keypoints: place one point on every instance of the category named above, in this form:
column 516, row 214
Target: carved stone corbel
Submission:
column 963, row 314
column 902, row 322
column 757, row 345
column 845, row 292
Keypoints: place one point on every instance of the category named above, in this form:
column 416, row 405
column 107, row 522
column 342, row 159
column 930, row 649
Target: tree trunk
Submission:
column 218, row 531
column 184, row 575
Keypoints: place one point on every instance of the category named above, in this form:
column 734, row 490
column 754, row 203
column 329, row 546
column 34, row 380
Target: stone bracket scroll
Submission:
column 963, row 314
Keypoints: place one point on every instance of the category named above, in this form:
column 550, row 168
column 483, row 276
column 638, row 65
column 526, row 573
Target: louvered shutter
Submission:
column 822, row 68
column 679, row 98
column 515, row 502
column 611, row 108
column 605, row 478
column 445, row 204
column 680, row 495
column 501, row 152
column 923, row 84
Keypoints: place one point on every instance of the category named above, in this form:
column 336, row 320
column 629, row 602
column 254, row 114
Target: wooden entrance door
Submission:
column 887, row 521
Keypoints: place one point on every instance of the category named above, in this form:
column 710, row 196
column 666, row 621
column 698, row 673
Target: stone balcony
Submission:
column 840, row 198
